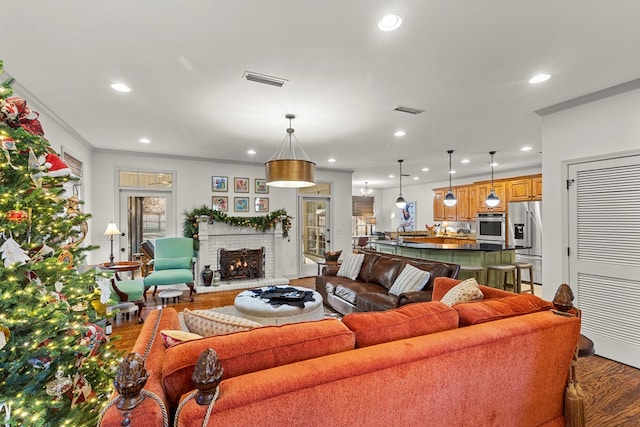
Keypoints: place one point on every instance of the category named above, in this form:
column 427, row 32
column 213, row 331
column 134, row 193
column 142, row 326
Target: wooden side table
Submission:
column 121, row 267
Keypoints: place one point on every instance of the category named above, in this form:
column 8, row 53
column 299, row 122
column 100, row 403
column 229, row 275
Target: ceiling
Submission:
column 466, row 63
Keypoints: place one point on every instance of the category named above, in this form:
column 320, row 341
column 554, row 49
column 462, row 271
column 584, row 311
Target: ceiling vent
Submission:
column 409, row 110
column 263, row 78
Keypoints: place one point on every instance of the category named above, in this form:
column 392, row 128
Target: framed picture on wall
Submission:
column 261, row 204
column 261, row 186
column 220, row 203
column 241, row 185
column 241, row 204
column 219, row 183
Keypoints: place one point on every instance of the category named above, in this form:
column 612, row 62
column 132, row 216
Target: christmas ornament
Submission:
column 59, row 385
column 105, row 289
column 73, row 206
column 7, row 143
column 17, row 215
column 66, row 257
column 4, row 336
column 12, row 253
column 81, row 390
column 15, row 113
column 53, row 166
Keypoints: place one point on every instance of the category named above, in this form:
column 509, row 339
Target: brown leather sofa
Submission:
column 370, row 290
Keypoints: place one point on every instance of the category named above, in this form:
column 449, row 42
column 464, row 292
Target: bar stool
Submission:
column 503, row 270
column 524, row 266
column 477, row 270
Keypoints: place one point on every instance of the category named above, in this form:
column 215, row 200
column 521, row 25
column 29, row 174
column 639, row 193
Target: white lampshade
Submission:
column 450, row 199
column 112, row 229
column 492, row 200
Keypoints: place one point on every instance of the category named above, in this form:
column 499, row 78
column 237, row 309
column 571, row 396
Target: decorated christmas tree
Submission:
column 56, row 364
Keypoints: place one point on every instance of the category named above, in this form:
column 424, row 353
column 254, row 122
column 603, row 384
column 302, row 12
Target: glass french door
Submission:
column 144, row 216
column 315, row 233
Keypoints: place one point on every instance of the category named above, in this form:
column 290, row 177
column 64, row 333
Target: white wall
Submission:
column 598, row 129
column 193, row 189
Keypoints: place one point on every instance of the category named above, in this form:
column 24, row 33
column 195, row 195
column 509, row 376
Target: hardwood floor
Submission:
column 612, row 389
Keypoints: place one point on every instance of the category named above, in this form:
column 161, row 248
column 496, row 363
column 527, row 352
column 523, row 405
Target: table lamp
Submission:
column 112, row 230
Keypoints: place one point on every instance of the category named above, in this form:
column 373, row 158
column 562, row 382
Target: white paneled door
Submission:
column 604, row 253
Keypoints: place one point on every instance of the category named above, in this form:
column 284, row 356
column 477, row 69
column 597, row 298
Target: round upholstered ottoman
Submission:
column 251, row 305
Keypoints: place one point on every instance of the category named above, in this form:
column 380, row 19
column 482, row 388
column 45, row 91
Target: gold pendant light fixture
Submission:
column 290, row 167
column 492, row 200
column 400, row 201
column 450, row 198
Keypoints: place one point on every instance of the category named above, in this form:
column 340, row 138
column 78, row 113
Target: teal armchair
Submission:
column 173, row 263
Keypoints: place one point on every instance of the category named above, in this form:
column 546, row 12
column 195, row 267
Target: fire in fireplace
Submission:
column 241, row 263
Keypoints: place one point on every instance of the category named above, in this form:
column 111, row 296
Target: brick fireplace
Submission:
column 216, row 236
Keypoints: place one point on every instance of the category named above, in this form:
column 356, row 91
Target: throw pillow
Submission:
column 465, row 291
column 351, row 266
column 171, row 337
column 410, row 279
column 208, row 323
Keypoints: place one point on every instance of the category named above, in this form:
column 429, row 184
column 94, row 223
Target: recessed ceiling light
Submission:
column 144, row 140
column 526, row 148
column 415, row 178
column 120, row 87
column 400, row 133
column 539, row 78
column 425, row 169
column 252, row 152
column 331, row 160
column 392, row 176
column 389, row 23
column 465, row 161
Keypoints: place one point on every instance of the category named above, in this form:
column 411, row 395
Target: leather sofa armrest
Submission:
column 410, row 297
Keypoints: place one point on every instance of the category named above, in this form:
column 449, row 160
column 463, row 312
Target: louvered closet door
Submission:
column 604, row 261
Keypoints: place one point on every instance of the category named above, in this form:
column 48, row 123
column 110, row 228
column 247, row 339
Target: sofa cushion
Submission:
column 172, row 337
column 410, row 279
column 408, row 321
column 351, row 266
column 367, row 265
column 255, row 350
column 385, row 270
column 379, row 300
column 465, row 291
column 349, row 290
column 476, row 312
column 208, row 323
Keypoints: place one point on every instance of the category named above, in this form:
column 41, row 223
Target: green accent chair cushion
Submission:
column 173, row 263
column 168, row 277
column 133, row 288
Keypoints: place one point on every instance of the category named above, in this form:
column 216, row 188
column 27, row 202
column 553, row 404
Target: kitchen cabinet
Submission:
column 464, row 209
column 484, row 188
column 525, row 189
column 438, row 204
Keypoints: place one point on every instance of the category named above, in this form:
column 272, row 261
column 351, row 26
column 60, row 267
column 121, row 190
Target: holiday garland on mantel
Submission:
column 261, row 223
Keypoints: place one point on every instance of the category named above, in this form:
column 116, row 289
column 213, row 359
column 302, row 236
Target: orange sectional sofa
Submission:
column 502, row 361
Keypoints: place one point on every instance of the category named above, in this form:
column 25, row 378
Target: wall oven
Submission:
column 490, row 227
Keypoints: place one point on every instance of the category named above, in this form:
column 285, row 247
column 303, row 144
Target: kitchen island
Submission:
column 481, row 254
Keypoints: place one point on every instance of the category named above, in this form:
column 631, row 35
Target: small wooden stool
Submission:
column 477, row 270
column 524, row 266
column 504, row 270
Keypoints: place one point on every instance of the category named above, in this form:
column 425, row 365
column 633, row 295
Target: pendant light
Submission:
column 290, row 166
column 366, row 191
column 492, row 200
column 400, row 201
column 450, row 198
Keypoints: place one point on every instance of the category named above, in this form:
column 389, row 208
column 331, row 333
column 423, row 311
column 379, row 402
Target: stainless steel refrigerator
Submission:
column 525, row 231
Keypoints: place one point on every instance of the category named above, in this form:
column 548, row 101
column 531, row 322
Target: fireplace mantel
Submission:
column 216, row 235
